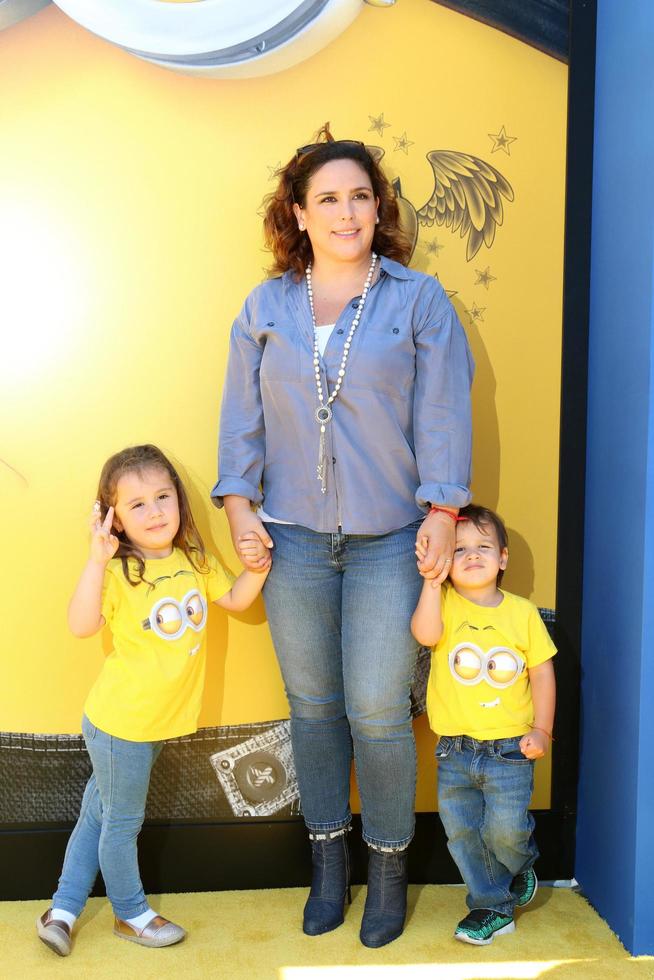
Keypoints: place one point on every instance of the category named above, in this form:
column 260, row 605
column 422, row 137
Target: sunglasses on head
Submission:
column 310, row 147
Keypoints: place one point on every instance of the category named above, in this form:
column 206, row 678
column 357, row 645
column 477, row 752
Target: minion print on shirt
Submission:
column 151, row 684
column 479, row 679
column 169, row 618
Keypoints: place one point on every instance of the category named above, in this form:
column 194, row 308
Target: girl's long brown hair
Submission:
column 291, row 248
column 137, row 459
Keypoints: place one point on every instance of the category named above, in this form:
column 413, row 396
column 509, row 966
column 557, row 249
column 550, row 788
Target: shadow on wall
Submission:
column 519, row 576
column 485, row 425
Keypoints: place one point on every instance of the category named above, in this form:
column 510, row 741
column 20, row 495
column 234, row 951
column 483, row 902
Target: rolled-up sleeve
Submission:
column 442, row 422
column 241, row 449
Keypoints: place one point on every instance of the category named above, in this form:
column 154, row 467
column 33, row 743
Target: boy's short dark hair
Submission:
column 482, row 517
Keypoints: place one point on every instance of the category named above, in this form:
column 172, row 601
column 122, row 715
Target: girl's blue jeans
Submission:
column 339, row 608
column 104, row 838
column 484, row 790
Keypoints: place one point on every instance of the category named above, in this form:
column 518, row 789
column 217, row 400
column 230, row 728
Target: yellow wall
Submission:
column 129, row 236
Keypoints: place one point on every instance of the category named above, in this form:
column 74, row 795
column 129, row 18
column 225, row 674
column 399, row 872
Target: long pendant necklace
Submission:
column 323, row 413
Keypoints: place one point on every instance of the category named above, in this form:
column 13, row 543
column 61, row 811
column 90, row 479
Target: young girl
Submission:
column 149, row 578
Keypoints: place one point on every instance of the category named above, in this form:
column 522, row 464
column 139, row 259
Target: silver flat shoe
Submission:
column 54, row 933
column 158, row 932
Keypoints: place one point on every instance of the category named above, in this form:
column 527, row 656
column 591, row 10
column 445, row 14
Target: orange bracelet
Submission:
column 535, row 728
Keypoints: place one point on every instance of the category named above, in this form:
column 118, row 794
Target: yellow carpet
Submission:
column 255, row 935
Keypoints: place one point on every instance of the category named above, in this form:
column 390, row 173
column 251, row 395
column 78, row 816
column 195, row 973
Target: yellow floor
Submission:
column 255, row 935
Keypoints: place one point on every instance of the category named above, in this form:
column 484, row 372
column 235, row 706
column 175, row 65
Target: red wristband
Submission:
column 442, row 510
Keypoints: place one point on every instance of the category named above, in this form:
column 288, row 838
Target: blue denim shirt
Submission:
column 400, row 436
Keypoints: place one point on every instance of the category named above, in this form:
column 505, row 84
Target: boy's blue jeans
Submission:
column 111, row 816
column 484, row 789
column 339, row 608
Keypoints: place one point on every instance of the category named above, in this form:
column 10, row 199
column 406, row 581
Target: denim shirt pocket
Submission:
column 383, row 357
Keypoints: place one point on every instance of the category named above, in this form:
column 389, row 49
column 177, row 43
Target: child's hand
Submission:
column 436, row 579
column 253, row 552
column 104, row 544
column 534, row 744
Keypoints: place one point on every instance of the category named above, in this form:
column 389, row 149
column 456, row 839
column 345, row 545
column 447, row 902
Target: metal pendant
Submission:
column 323, row 414
column 321, row 468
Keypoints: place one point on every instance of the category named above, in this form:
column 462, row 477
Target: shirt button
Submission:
column 333, row 459
column 382, row 272
column 271, row 323
column 340, row 330
column 396, row 329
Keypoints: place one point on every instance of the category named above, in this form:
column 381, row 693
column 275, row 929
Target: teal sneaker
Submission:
column 482, row 925
column 524, row 887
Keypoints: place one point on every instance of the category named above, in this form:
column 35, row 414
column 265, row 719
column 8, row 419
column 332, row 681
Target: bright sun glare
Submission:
column 43, row 296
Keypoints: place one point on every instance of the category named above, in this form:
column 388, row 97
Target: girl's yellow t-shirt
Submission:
column 150, row 686
column 479, row 678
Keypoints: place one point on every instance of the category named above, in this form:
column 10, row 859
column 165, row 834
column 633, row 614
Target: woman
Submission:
column 346, row 417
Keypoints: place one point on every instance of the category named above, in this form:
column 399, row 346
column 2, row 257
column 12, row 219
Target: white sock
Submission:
column 141, row 921
column 64, row 916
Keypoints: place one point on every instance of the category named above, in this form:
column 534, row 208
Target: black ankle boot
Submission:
column 385, row 911
column 330, row 882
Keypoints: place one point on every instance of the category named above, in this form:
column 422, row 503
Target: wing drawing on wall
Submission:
column 467, row 198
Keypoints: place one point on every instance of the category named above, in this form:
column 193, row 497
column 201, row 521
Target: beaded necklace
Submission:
column 323, row 413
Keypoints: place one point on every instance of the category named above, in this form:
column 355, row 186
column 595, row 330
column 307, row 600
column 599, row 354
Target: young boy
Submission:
column 490, row 698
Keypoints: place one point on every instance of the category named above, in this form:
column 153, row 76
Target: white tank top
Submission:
column 323, row 334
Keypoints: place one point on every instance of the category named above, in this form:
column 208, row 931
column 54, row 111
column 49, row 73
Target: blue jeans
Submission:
column 339, row 608
column 484, row 789
column 104, row 838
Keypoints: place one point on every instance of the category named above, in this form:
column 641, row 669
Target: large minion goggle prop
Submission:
column 499, row 667
column 170, row 618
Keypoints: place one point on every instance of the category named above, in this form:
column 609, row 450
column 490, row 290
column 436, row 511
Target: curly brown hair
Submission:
column 291, row 248
column 137, row 459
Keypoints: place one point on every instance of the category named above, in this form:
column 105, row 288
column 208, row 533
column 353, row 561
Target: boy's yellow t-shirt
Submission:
column 478, row 683
column 150, row 686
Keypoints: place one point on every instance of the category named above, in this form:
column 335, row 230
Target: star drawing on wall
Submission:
column 476, row 313
column 484, row 278
column 377, row 124
column 433, row 248
column 402, row 143
column 501, row 141
column 450, row 292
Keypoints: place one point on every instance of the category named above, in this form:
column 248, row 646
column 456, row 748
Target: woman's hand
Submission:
column 251, row 549
column 252, row 542
column 245, row 527
column 435, row 546
column 104, row 544
column 435, row 580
